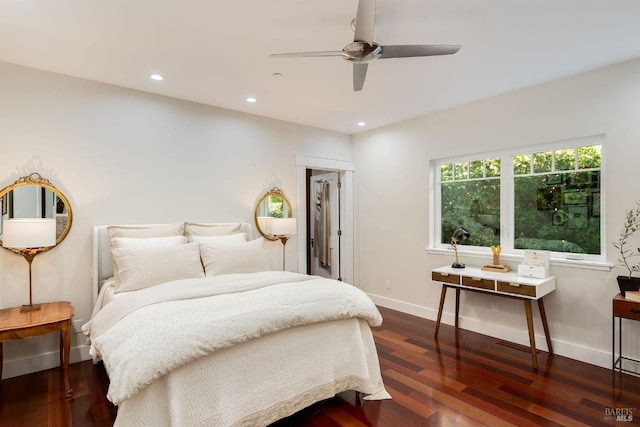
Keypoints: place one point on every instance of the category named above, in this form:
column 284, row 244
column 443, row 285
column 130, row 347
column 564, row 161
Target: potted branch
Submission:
column 627, row 253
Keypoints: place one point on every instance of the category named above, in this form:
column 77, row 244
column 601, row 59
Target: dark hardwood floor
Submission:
column 462, row 379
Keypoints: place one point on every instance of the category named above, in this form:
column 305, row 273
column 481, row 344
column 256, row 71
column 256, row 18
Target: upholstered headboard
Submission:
column 103, row 262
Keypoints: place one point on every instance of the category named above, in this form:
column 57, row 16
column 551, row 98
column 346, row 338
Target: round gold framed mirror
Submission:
column 34, row 196
column 274, row 204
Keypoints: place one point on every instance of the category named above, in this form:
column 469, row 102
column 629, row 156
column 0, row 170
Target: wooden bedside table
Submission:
column 53, row 316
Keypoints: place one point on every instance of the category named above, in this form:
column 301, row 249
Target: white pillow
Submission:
column 142, row 231
column 139, row 268
column 229, row 238
column 150, row 242
column 230, row 258
column 213, row 229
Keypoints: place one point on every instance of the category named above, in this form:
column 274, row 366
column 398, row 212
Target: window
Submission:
column 544, row 197
column 470, row 195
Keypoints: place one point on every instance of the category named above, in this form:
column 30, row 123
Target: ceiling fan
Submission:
column 364, row 50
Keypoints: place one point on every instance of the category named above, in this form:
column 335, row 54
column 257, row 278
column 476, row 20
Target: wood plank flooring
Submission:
column 462, row 379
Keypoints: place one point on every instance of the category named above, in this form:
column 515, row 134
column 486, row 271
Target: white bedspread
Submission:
column 146, row 335
column 257, row 382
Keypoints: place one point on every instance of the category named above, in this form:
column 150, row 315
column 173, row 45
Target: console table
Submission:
column 508, row 285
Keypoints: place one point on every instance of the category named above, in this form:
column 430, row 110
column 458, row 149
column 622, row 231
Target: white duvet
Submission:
column 143, row 336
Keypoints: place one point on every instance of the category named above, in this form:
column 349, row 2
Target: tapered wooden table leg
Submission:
column 545, row 325
column 443, row 295
column 532, row 338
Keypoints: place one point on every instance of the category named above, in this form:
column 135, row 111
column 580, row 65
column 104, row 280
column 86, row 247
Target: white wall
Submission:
column 392, row 207
column 122, row 156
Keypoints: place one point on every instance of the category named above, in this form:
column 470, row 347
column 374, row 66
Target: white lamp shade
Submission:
column 265, row 224
column 283, row 226
column 21, row 233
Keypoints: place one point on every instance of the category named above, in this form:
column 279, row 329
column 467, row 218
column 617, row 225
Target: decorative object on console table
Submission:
column 459, row 234
column 630, row 226
column 495, row 250
column 495, row 265
column 282, row 228
column 28, row 236
column 535, row 264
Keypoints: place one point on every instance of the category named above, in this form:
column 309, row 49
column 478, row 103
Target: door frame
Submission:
column 346, row 169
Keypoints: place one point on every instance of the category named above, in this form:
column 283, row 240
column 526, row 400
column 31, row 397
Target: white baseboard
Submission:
column 518, row 336
column 40, row 362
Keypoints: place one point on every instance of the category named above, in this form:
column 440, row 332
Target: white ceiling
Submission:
column 217, row 52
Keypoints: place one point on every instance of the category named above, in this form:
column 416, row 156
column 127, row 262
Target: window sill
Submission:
column 555, row 261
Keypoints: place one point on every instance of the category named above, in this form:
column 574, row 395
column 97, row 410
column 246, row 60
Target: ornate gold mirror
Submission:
column 274, row 204
column 33, row 196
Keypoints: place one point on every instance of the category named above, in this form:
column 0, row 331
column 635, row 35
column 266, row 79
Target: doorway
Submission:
column 324, row 197
column 344, row 246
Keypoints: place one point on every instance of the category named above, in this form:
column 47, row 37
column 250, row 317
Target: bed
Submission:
column 235, row 344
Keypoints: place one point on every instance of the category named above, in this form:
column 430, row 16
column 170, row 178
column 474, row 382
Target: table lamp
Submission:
column 264, row 222
column 459, row 234
column 27, row 236
column 282, row 228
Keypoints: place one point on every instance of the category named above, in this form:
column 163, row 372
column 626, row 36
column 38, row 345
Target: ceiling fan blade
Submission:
column 306, row 54
column 365, row 21
column 407, row 51
column 359, row 73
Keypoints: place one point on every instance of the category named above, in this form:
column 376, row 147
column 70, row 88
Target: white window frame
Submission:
column 507, row 212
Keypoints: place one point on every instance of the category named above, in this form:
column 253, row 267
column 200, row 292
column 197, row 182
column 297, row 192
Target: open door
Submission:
column 324, row 210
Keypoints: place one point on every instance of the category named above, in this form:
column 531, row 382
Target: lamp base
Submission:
column 457, row 265
column 27, row 308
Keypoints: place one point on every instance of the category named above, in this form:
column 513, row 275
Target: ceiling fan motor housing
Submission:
column 361, row 52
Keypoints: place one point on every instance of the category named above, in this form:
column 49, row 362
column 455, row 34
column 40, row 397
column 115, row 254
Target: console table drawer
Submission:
column 517, row 288
column 445, row 277
column 478, row 282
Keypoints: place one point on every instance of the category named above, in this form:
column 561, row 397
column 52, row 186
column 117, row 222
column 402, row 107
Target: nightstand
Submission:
column 52, row 317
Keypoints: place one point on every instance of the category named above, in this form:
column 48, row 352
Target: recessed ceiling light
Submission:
column 251, row 99
column 361, row 123
column 156, row 77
